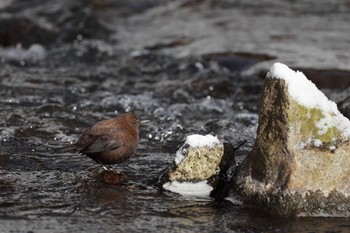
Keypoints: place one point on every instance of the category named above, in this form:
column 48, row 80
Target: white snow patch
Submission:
column 318, row 143
column 308, row 95
column 196, row 140
column 198, row 189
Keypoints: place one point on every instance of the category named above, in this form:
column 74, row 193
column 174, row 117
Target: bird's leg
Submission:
column 104, row 167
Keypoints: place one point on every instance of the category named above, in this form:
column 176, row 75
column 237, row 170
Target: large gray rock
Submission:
column 300, row 162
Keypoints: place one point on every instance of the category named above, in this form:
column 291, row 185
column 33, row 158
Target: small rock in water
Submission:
column 300, row 162
column 196, row 162
column 112, row 177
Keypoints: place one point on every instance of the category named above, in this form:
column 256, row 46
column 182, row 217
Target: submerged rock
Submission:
column 300, row 162
column 17, row 30
column 196, row 162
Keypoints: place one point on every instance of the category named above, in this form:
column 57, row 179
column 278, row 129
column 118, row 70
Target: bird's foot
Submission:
column 103, row 166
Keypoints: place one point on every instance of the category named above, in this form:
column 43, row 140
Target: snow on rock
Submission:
column 196, row 189
column 196, row 140
column 303, row 91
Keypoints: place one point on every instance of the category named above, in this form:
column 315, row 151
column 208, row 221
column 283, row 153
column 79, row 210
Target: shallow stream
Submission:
column 77, row 74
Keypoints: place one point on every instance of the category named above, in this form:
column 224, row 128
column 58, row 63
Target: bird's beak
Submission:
column 144, row 121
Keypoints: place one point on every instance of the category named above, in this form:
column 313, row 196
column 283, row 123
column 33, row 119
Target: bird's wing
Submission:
column 101, row 144
column 96, row 141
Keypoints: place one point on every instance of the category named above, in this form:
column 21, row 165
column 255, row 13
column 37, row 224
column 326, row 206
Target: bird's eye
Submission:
column 134, row 121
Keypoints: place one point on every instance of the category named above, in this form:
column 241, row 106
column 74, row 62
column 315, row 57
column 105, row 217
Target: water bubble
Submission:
column 199, row 66
column 179, row 126
column 80, row 37
column 137, row 53
column 75, row 43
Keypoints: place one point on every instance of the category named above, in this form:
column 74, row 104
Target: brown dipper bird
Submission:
column 111, row 141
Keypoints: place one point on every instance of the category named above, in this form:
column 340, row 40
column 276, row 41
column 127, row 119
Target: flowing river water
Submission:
column 67, row 64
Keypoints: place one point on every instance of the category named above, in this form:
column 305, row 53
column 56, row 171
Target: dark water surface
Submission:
column 78, row 74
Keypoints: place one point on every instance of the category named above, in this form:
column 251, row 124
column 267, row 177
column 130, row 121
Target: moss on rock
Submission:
column 303, row 121
column 199, row 163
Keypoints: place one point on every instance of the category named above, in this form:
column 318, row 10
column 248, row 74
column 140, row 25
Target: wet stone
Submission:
column 236, row 61
column 199, row 163
column 23, row 31
column 196, row 162
column 334, row 79
column 111, row 177
column 300, row 161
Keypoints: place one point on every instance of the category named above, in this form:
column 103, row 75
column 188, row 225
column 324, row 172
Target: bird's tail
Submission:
column 67, row 148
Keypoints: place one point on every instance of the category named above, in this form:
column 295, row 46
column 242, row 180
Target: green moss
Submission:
column 304, row 120
column 200, row 163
